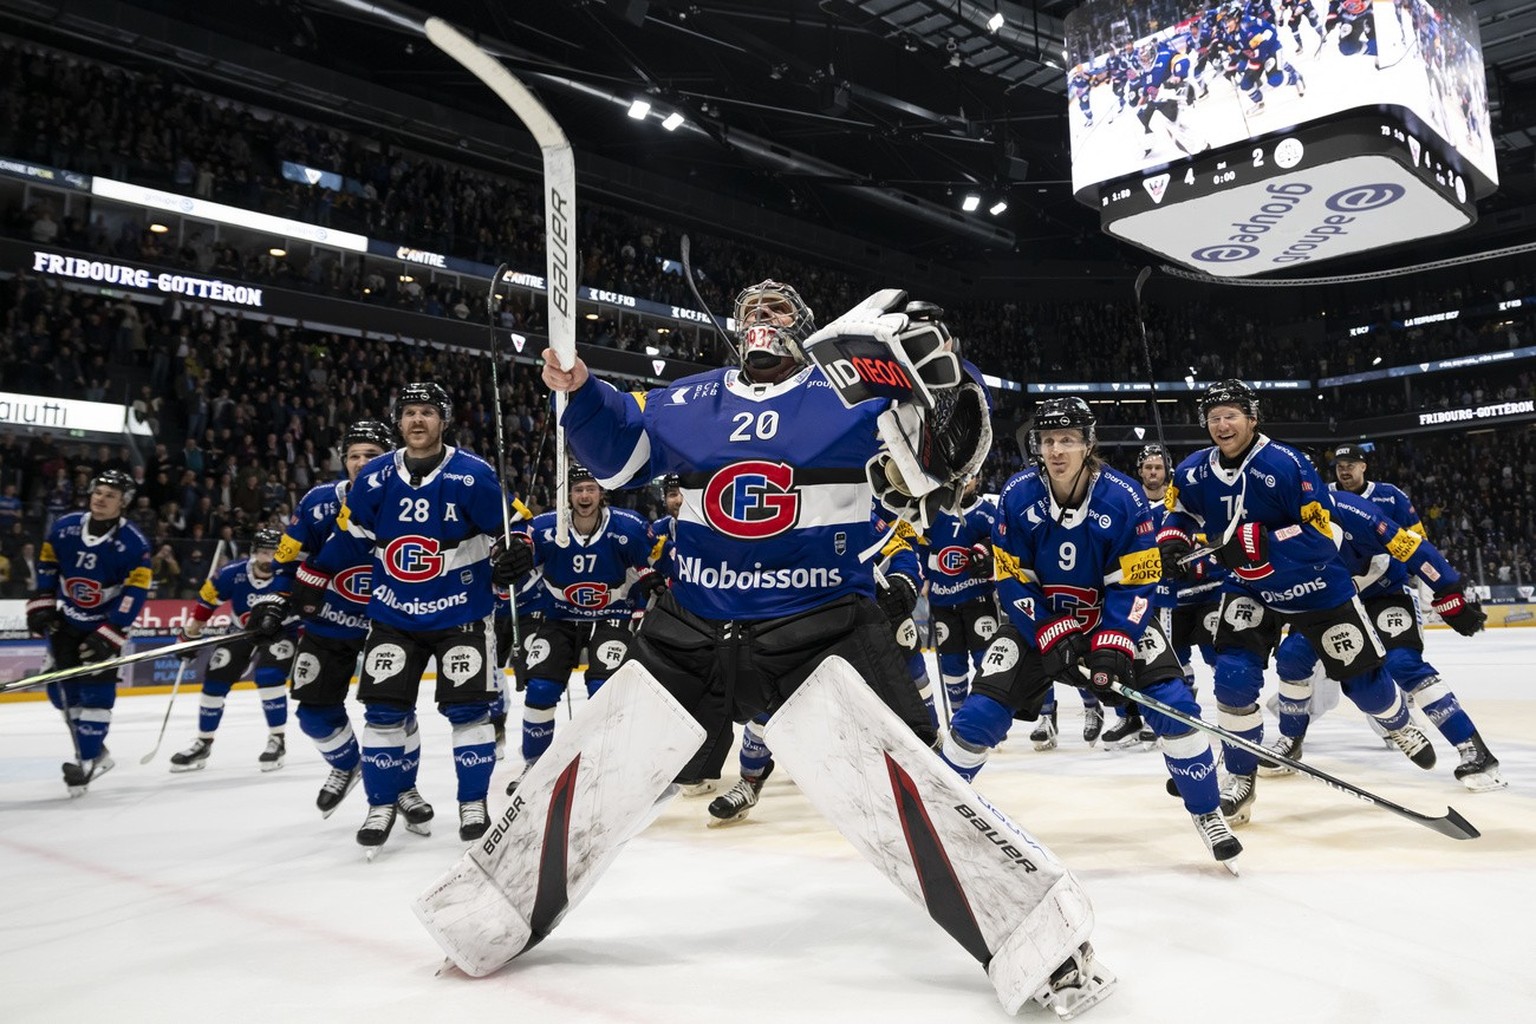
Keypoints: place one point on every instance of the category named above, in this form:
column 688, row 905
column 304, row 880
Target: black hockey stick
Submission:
column 1146, row 353
column 492, row 310
column 1452, row 824
column 169, row 650
column 694, row 288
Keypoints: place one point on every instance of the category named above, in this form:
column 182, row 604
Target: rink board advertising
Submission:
column 1151, row 83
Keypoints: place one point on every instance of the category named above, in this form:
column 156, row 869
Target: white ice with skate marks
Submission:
column 223, row 892
column 1115, row 144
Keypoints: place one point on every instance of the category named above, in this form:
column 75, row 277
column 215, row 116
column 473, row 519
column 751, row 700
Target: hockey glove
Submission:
column 980, row 561
column 103, row 644
column 1172, row 545
column 309, row 587
column 647, row 585
column 1465, row 617
column 43, row 615
column 896, row 595
column 1061, row 644
column 1247, row 553
column 1109, row 663
column 266, row 619
column 510, row 563
column 191, row 631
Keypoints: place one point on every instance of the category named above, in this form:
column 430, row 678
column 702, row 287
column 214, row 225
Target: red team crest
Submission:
column 83, row 592
column 752, row 500
column 413, row 559
column 954, row 561
column 587, row 595
column 354, row 584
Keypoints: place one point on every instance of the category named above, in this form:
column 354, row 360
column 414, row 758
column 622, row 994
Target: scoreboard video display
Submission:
column 1253, row 135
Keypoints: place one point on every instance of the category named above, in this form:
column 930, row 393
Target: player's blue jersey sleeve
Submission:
column 606, row 430
column 48, row 559
column 137, row 579
column 1309, row 539
column 1373, row 539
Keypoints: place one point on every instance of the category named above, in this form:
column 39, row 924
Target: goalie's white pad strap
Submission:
column 991, row 885
column 595, row 787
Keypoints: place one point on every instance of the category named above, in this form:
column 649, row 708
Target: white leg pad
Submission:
column 597, row 786
column 987, row 882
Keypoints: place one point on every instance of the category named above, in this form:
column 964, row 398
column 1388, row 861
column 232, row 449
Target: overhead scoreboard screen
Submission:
column 1256, row 135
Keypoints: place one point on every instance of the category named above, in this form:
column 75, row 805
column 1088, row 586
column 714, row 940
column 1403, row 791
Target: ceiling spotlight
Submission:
column 590, row 316
column 158, row 229
column 673, row 121
column 970, row 202
column 1376, row 361
column 908, row 43
column 954, row 60
column 998, row 207
column 777, row 71
column 639, row 109
column 275, row 251
column 995, row 22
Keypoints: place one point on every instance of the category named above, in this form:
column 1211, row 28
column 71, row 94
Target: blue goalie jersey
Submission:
column 344, row 614
column 430, row 542
column 102, row 578
column 589, row 580
column 775, row 517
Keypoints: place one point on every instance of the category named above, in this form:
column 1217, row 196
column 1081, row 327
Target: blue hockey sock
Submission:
column 331, row 730
column 755, row 754
column 1192, row 766
column 1442, row 708
column 474, row 748
column 383, row 754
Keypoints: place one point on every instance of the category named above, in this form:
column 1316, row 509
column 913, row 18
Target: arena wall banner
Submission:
column 67, row 415
column 1490, row 414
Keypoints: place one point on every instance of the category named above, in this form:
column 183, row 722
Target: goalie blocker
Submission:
column 994, row 888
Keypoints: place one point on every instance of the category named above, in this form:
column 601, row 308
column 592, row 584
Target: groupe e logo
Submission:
column 1365, row 197
column 1226, row 252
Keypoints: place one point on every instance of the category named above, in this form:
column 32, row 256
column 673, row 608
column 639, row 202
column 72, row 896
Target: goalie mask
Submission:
column 772, row 322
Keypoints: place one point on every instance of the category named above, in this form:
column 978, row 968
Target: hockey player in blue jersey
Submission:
column 1266, row 510
column 257, row 599
column 428, row 513
column 592, row 589
column 1384, row 556
column 92, row 577
column 663, row 531
column 1292, row 13
column 1349, row 469
column 1080, row 89
column 1257, row 59
column 327, row 651
column 1355, row 22
column 772, row 610
column 1077, row 572
column 956, row 553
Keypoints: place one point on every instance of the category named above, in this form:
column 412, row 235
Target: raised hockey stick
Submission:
column 1146, row 353
column 1451, row 824
column 491, row 312
column 730, row 345
column 62, row 674
column 559, row 223
column 181, row 669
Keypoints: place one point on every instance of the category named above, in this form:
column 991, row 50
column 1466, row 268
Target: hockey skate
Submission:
column 1044, row 736
column 335, row 788
column 1124, row 734
column 1093, row 723
column 376, row 828
column 737, row 802
column 1478, row 770
column 473, row 820
column 416, row 811
column 698, row 787
column 78, row 775
column 194, row 757
column 1076, row 985
column 1218, row 838
column 1237, row 796
column 271, row 759
column 1285, row 746
column 1414, row 744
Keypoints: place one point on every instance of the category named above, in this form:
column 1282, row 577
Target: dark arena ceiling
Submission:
column 868, row 119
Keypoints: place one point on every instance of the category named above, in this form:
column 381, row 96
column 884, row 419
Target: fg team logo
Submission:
column 354, row 584
column 413, row 559
column 953, row 561
column 752, row 500
column 587, row 595
column 83, row 592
